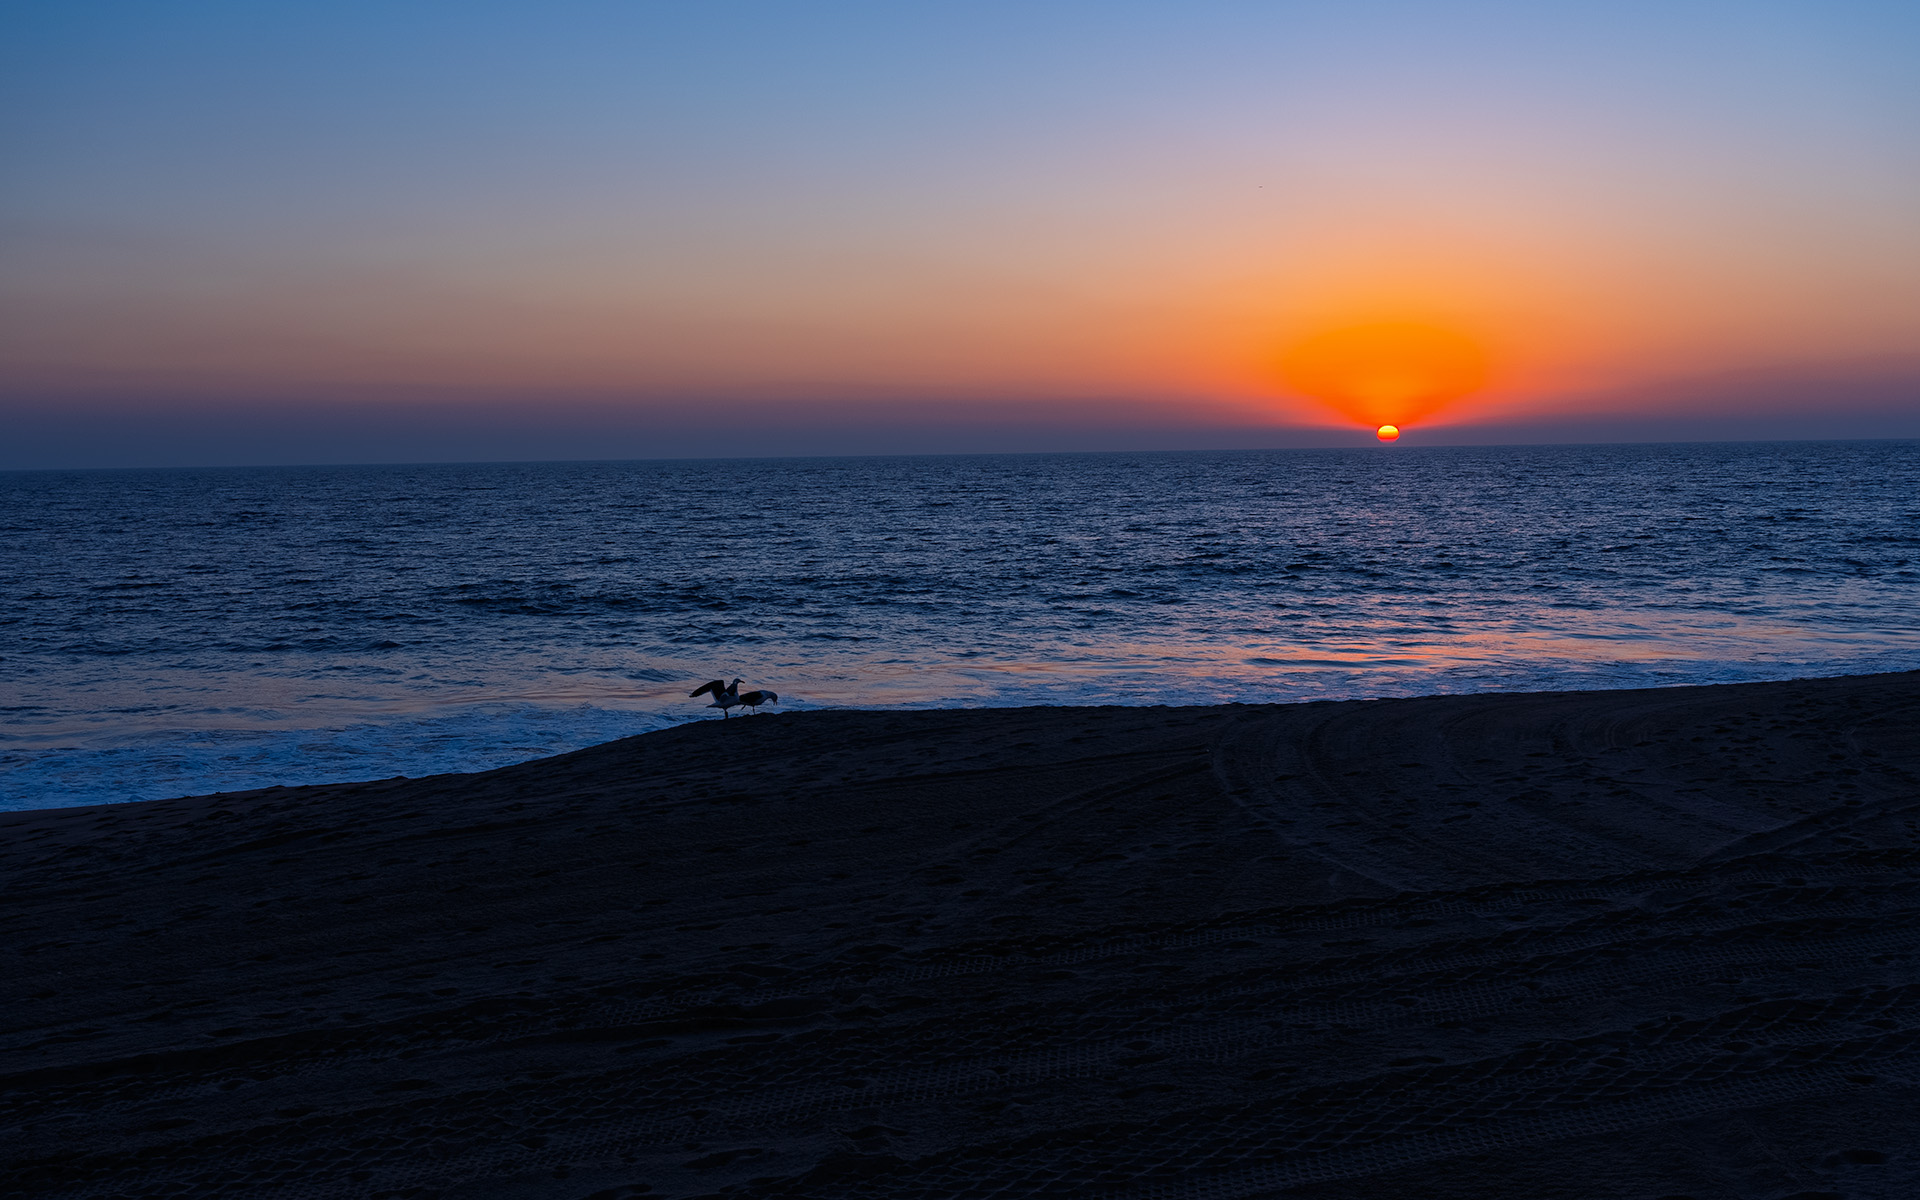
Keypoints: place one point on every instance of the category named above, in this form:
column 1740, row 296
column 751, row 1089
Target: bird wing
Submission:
column 714, row 686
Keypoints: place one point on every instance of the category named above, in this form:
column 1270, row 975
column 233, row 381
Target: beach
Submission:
column 1636, row 943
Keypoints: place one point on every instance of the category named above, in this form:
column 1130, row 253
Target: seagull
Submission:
column 725, row 695
column 754, row 700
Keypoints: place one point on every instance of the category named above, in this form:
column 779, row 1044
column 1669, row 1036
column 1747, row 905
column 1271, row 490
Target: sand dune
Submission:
column 1623, row 944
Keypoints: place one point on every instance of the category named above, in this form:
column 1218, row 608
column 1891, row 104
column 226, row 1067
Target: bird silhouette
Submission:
column 754, row 700
column 725, row 695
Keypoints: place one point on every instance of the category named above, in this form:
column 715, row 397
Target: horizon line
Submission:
column 1359, row 447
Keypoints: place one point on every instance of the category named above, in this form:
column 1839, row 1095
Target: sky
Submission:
column 261, row 232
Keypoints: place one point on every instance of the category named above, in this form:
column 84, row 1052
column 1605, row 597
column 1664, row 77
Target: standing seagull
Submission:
column 754, row 700
column 725, row 695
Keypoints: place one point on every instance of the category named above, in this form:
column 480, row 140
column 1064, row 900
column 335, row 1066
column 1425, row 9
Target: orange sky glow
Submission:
column 749, row 235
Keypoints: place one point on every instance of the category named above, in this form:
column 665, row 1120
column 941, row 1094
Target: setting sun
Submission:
column 1388, row 433
column 1387, row 373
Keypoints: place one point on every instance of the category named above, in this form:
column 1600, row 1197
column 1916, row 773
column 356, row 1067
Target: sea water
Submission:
column 183, row 631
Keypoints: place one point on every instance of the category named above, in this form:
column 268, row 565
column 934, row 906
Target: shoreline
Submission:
column 261, row 759
column 1495, row 944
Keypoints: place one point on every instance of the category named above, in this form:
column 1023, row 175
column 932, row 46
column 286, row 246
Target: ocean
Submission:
column 171, row 632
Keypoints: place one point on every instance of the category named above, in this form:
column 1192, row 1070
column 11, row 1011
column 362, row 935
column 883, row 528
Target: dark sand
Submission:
column 1619, row 944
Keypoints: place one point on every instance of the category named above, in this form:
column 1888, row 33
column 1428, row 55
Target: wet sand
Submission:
column 1633, row 944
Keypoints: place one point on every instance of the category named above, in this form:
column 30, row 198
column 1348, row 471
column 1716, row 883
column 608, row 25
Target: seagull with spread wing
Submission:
column 725, row 695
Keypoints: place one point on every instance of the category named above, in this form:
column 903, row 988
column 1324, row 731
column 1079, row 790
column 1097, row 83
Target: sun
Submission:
column 1386, row 374
column 1388, row 433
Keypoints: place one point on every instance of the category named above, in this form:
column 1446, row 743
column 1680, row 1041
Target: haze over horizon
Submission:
column 243, row 234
